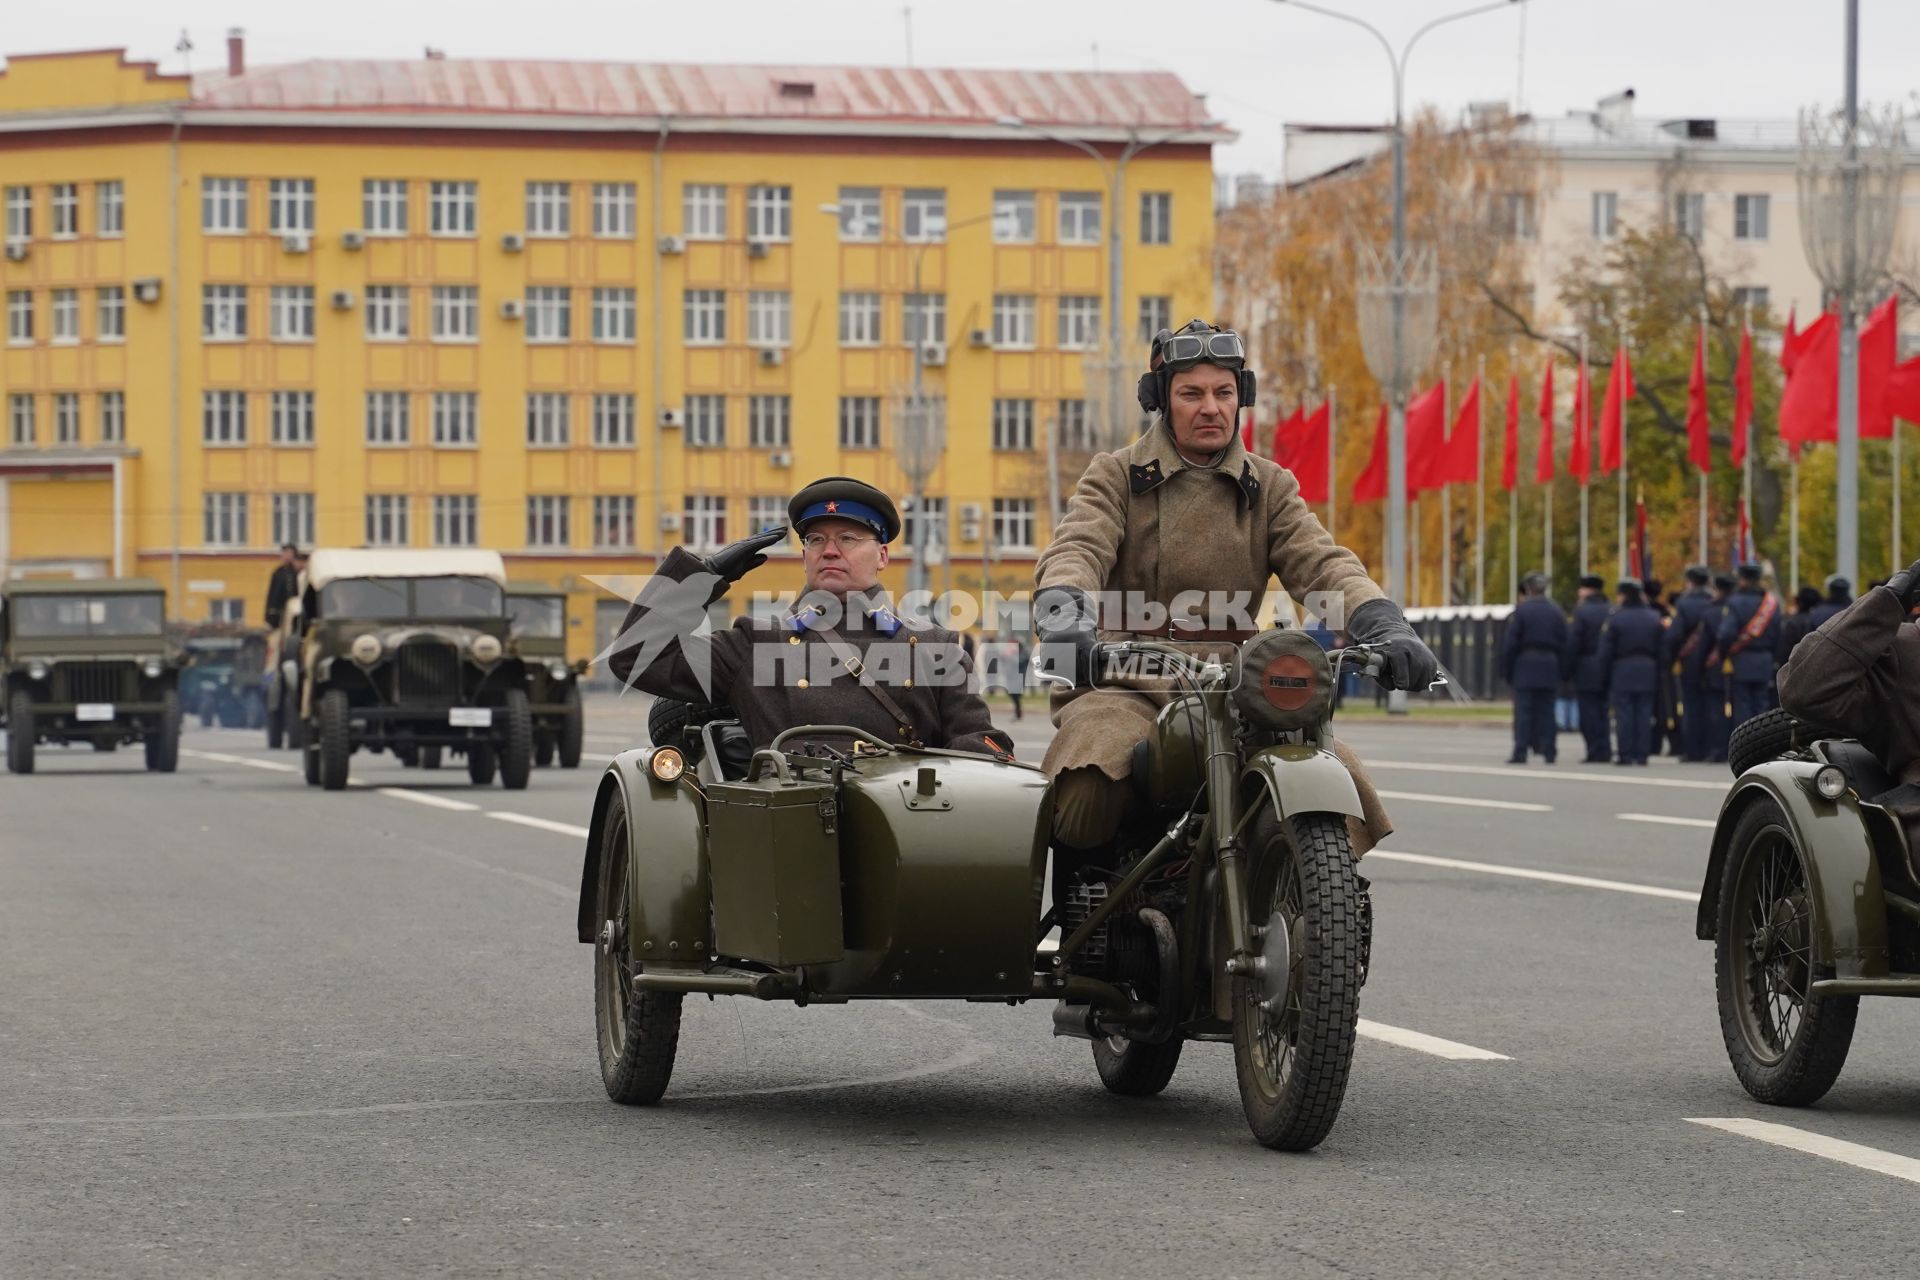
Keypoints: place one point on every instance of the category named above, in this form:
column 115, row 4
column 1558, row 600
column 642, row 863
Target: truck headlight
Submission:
column 36, row 671
column 152, row 668
column 558, row 670
column 486, row 648
column 366, row 648
column 1830, row 780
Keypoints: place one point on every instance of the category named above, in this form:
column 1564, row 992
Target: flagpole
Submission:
column 1578, row 426
column 1333, row 456
column 1894, row 564
column 1793, row 473
column 1446, row 496
column 1703, row 470
column 1480, row 487
column 1413, row 561
column 1620, row 353
column 1746, row 461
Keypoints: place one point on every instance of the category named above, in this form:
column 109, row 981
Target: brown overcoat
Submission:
column 1858, row 676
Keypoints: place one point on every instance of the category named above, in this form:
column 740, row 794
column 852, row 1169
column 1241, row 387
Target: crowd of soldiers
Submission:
column 1676, row 675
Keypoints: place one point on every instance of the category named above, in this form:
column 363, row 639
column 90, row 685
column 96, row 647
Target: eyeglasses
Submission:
column 1183, row 350
column 847, row 542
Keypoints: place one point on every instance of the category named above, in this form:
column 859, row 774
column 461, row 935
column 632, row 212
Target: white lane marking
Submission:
column 1429, row 798
column 1627, row 777
column 222, row 757
column 1421, row 1042
column 544, row 824
column 427, row 798
column 1528, row 873
column 1814, row 1144
column 1667, row 820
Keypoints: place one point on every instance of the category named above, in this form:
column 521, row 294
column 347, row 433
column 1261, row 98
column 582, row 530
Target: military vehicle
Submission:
column 538, row 631
column 224, row 683
column 88, row 661
column 1811, row 899
column 281, row 687
column 407, row 651
column 820, row 874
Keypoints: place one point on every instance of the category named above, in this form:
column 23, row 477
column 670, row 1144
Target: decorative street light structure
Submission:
column 1850, row 171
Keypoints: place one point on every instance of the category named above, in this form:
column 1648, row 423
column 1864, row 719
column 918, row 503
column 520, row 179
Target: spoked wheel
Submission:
column 1786, row 1044
column 638, row 1031
column 1294, row 1015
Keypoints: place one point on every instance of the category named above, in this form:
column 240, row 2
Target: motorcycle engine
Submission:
column 1121, row 950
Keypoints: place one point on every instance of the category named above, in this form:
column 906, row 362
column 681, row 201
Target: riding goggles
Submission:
column 1184, row 350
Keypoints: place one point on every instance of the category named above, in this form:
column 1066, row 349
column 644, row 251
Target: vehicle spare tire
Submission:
column 672, row 723
column 1767, row 736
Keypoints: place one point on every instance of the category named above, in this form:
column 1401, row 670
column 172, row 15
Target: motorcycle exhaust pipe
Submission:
column 1076, row 1020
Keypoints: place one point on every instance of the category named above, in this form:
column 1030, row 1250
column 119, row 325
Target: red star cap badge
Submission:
column 833, row 506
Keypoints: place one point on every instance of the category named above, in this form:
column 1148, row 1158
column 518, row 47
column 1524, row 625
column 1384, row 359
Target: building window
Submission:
column 1689, row 214
column 706, row 422
column 770, row 423
column 456, row 520
column 1606, row 215
column 614, row 315
column 19, row 316
column 703, row 211
column 223, row 312
column 1751, row 299
column 1013, row 524
column 293, row 519
column 1750, row 216
column 291, row 419
column 1079, row 326
column 455, row 312
column 223, row 417
column 387, row 520
column 110, row 313
column 290, row 206
column 1072, row 429
column 1514, row 216
column 452, row 208
column 613, row 521
column 547, row 419
column 703, row 522
column 766, row 510
column 290, row 313
column 388, row 312
column 1156, row 217
column 549, row 522
column 614, row 205
column 859, row 319
column 223, row 519
column 549, row 209
column 860, row 213
column 64, row 204
column 66, row 417
column 109, row 210
column 20, row 426
column 19, row 214
column 934, row 518
column 1013, row 324
column 704, row 322
column 924, row 316
column 859, row 422
column 923, row 214
column 383, row 206
column 1156, row 313
column 769, row 318
column 1079, row 217
column 613, row 420
column 1016, row 217
column 456, row 419
column 769, row 213
column 1013, row 425
column 223, row 206
column 65, row 329
column 389, row 415
column 549, row 315
column 227, row 609
column 113, row 417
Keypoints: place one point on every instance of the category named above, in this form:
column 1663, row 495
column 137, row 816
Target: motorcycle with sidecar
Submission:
column 821, row 874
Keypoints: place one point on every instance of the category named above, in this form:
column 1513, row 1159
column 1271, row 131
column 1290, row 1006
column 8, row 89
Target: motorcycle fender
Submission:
column 1849, row 905
column 670, row 898
column 1302, row 779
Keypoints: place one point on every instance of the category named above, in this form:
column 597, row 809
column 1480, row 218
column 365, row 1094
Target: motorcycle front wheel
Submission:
column 1294, row 1014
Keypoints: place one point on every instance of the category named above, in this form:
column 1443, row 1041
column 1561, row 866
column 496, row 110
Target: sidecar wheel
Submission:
column 1135, row 1070
column 1293, row 1022
column 638, row 1031
column 1786, row 1045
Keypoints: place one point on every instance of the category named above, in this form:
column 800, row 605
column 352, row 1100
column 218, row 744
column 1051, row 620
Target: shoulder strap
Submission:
column 1762, row 615
column 850, row 659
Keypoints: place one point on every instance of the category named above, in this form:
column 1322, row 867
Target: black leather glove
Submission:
column 1066, row 615
column 736, row 560
column 1906, row 585
column 1409, row 663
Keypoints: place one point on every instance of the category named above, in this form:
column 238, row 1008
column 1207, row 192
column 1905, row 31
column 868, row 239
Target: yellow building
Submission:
column 580, row 312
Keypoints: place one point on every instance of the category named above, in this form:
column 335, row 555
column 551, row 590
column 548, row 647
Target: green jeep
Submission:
column 407, row 651
column 224, row 684
column 538, row 617
column 88, row 661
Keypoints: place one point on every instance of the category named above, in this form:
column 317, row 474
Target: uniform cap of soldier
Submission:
column 844, row 498
column 1535, row 583
column 1724, row 581
column 1838, row 586
column 1628, row 587
column 1593, row 582
column 1699, row 575
column 1749, row 572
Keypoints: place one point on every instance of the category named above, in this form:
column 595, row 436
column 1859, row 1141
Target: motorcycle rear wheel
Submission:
column 1293, row 1031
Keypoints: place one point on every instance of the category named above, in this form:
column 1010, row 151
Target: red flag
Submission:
column 1427, row 439
column 1809, row 408
column 1743, row 396
column 1699, row 443
column 1510, row 447
column 1461, row 462
column 1307, row 453
column 1613, row 410
column 1372, row 484
column 1579, row 458
column 1283, row 446
column 1543, row 465
column 1879, row 348
column 1903, row 390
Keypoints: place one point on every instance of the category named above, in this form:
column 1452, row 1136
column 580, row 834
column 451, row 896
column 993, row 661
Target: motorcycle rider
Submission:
column 1186, row 509
column 1853, row 675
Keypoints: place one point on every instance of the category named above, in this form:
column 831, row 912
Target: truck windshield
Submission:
column 79, row 615
column 538, row 617
column 402, row 598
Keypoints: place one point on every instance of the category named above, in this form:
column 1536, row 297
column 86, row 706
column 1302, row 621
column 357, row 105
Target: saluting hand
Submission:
column 736, row 560
column 1906, row 585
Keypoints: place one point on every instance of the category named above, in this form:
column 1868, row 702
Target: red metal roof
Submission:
column 840, row 95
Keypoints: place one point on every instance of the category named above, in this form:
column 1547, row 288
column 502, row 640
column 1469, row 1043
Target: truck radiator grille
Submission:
column 427, row 670
column 91, row 682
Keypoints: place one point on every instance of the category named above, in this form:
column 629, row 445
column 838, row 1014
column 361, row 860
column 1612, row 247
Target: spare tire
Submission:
column 1767, row 736
column 672, row 723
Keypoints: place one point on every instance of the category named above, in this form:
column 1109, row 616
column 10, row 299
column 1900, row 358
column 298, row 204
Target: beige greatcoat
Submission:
column 1144, row 520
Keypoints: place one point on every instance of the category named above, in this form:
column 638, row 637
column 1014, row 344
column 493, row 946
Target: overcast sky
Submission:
column 1260, row 63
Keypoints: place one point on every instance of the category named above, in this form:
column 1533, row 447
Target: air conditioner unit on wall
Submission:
column 772, row 357
column 296, row 242
column 512, row 309
column 353, row 239
column 970, row 512
column 933, row 354
column 672, row 246
column 979, row 338
column 969, row 532
column 670, row 417
column 756, row 248
column 342, row 299
column 513, row 242
column 16, row 251
column 147, row 289
column 669, row 522
column 780, row 458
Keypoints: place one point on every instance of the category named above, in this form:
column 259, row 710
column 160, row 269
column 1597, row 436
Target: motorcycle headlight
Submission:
column 1285, row 681
column 152, row 668
column 558, row 670
column 36, row 671
column 486, row 648
column 366, row 648
column 1830, row 780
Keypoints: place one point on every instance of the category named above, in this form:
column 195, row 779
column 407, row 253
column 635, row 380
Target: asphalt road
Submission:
column 249, row 1027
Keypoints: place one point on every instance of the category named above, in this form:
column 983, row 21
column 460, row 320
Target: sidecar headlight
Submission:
column 1830, row 780
column 486, row 648
column 366, row 648
column 666, row 764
